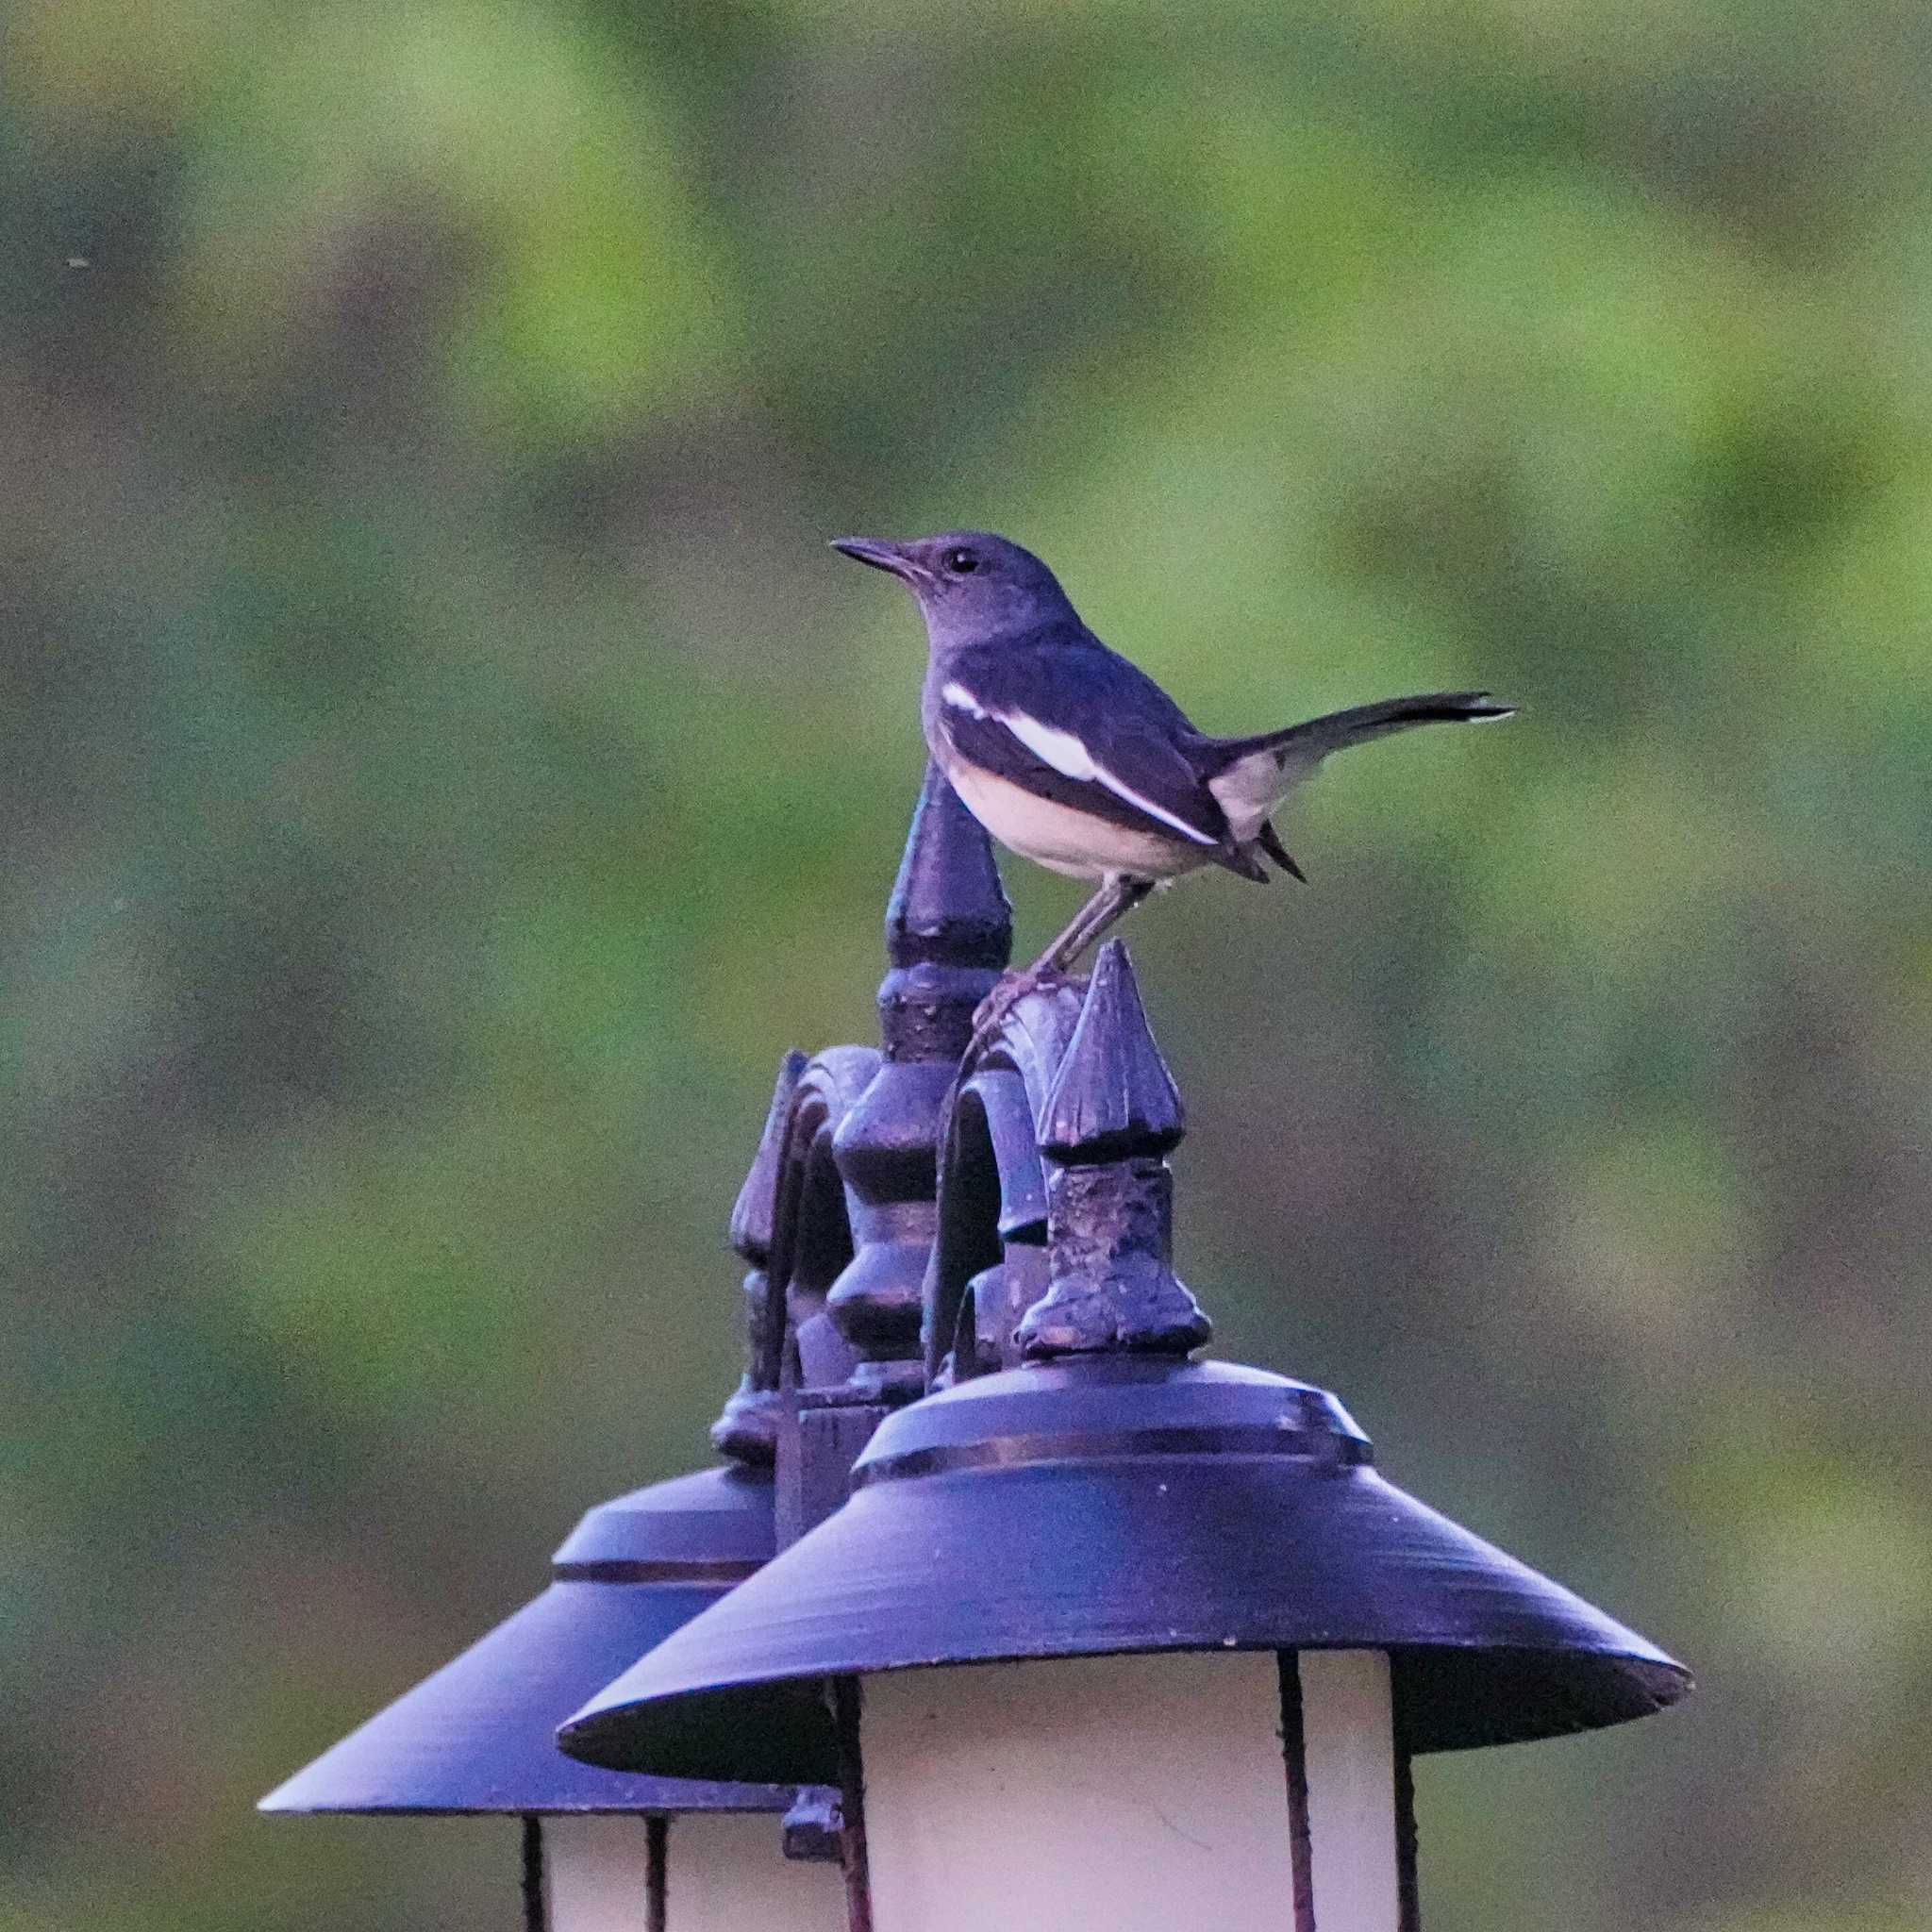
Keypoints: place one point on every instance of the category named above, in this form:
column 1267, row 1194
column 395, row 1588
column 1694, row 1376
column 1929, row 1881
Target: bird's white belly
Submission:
column 1061, row 838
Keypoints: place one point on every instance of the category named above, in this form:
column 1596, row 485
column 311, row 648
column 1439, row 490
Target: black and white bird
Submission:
column 1076, row 759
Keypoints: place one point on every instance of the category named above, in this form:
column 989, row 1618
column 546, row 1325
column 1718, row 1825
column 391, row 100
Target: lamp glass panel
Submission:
column 728, row 1873
column 1140, row 1794
column 596, row 1874
column 1348, row 1749
column 724, row 1871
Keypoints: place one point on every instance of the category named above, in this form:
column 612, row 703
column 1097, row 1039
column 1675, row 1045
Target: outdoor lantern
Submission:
column 1105, row 1636
column 605, row 1852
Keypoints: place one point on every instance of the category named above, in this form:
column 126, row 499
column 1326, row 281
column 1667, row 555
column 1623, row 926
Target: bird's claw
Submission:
column 996, row 1009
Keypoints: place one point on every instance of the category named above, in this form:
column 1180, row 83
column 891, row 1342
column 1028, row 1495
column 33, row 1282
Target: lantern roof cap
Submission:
column 1115, row 1503
column 477, row 1735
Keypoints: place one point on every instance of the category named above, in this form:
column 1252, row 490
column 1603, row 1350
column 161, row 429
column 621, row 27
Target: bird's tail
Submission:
column 1249, row 776
column 1305, row 745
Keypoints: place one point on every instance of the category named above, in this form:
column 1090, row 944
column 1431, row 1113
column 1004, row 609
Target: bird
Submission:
column 1073, row 757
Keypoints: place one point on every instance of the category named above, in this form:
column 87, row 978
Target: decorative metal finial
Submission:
column 748, row 1428
column 1111, row 1117
column 989, row 1262
column 949, row 933
column 949, row 929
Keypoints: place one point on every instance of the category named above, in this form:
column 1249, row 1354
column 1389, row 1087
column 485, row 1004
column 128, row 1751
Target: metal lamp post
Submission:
column 1105, row 1635
column 1079, row 1629
column 604, row 1852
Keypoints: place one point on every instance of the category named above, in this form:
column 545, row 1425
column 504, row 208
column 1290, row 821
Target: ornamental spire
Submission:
column 1111, row 1117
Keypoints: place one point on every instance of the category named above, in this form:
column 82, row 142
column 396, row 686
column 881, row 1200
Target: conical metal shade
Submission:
column 1113, row 1503
column 479, row 1735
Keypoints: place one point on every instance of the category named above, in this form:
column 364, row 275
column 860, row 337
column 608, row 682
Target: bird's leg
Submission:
column 1105, row 908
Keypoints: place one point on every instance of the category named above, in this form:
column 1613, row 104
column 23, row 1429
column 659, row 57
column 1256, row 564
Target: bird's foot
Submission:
column 1013, row 987
column 996, row 1009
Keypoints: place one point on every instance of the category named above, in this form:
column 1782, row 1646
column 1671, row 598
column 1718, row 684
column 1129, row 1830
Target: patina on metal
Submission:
column 1111, row 1118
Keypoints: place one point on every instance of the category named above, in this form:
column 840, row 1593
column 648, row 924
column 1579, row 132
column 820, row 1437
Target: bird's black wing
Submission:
column 1069, row 720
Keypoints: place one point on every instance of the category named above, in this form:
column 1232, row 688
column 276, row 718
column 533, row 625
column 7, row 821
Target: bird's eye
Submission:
column 961, row 563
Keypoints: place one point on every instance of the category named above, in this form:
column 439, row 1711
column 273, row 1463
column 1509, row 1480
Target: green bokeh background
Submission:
column 442, row 769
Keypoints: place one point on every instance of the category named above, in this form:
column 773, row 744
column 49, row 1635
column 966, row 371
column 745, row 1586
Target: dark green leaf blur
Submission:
column 442, row 769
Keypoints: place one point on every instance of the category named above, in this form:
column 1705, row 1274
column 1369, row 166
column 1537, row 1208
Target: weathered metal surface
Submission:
column 1112, row 1097
column 1295, row 1754
column 1111, row 1115
column 1112, row 1283
column 531, row 1890
column 988, row 1264
column 823, row 1434
column 811, row 1227
column 748, row 1428
column 992, row 1194
column 814, row 1827
column 948, row 935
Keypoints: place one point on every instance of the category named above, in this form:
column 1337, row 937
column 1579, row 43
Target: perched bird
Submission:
column 1075, row 758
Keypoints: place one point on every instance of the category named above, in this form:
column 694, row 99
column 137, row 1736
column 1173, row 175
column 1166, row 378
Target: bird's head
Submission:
column 971, row 586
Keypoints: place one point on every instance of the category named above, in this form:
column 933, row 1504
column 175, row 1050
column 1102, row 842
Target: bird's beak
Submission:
column 881, row 556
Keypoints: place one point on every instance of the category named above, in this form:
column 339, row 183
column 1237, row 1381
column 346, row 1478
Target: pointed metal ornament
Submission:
column 948, row 912
column 949, row 932
column 748, row 1428
column 1114, row 1098
column 1112, row 1115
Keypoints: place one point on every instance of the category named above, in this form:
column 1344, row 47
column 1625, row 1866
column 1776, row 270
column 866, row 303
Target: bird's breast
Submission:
column 1060, row 837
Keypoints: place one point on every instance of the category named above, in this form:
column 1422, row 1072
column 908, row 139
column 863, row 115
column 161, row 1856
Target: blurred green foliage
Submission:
column 443, row 769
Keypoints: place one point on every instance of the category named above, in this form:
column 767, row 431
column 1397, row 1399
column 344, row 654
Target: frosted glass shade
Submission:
column 1355, row 1791
column 1175, row 1792
column 721, row 1872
